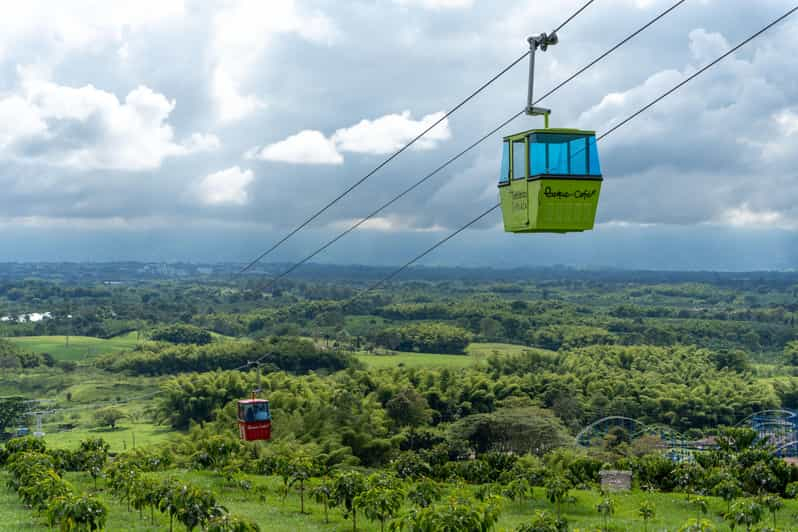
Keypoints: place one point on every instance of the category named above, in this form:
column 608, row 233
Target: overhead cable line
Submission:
column 573, row 16
column 603, row 135
column 482, row 139
column 377, row 168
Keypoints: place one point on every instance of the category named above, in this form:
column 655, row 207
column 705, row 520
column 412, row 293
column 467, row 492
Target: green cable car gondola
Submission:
column 550, row 178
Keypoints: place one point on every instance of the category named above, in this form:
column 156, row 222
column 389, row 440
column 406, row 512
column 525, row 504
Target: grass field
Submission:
column 79, row 348
column 274, row 514
column 475, row 354
column 125, row 436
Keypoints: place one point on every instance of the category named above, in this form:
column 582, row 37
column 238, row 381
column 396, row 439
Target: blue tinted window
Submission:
column 504, row 176
column 537, row 158
column 519, row 153
column 578, row 155
column 563, row 154
column 593, row 156
column 558, row 158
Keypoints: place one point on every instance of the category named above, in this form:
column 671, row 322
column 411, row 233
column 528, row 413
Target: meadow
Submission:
column 475, row 354
column 76, row 348
column 264, row 504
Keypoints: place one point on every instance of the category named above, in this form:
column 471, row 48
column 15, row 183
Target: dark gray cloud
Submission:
column 717, row 156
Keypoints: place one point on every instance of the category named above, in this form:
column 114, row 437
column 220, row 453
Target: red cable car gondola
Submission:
column 254, row 419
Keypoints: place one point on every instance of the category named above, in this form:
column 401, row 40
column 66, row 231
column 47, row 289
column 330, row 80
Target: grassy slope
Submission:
column 475, row 353
column 125, row 436
column 80, row 347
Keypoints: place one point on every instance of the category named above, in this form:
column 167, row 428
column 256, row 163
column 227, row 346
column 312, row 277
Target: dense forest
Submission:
column 433, row 398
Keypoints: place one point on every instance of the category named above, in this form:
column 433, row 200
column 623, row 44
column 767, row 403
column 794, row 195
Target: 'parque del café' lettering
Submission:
column 577, row 194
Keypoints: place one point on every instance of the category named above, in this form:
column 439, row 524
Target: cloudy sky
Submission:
column 206, row 130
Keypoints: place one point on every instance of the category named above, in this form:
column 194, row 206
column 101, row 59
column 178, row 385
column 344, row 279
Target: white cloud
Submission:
column 435, row 4
column 390, row 132
column 306, row 147
column 744, row 216
column 198, row 142
column 242, row 31
column 231, row 104
column 788, row 120
column 227, row 187
column 389, row 224
column 87, row 128
column 376, row 137
column 79, row 24
column 706, row 46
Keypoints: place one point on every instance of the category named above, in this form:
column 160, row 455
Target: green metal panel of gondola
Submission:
column 550, row 178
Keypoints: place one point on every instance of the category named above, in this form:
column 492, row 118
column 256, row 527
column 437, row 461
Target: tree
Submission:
column 517, row 490
column 166, row 495
column 323, row 494
column 230, row 523
column 195, row 506
column 544, row 522
column 182, row 334
column 300, row 468
column 379, row 503
column 72, row 512
column 697, row 525
column 791, row 353
column 519, row 430
column 459, row 515
column 773, row 503
column 347, row 487
column 646, row 511
column 744, row 513
column 424, row 492
column 11, row 411
column 606, row 508
column 728, row 490
column 557, row 488
column 108, row 417
column 408, row 407
column 700, row 505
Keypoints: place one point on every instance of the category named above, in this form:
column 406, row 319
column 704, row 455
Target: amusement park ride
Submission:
column 775, row 429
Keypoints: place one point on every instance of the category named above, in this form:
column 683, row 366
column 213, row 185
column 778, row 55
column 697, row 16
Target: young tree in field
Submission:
column 195, row 506
column 122, row 479
column 606, row 508
column 72, row 512
column 346, row 488
column 544, row 522
column 108, row 417
column 379, row 504
column 94, row 462
column 557, row 489
column 230, row 523
column 697, row 525
column 517, row 490
column 646, row 511
column 744, row 513
column 424, row 492
column 700, row 505
column 300, row 468
column 323, row 494
column 92, row 456
column 461, row 515
column 728, row 490
column 773, row 503
column 166, row 493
